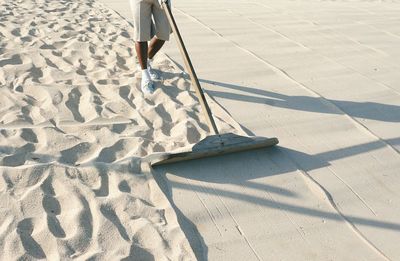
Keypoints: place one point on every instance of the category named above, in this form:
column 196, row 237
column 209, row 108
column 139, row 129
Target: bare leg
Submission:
column 141, row 51
column 144, row 52
column 155, row 46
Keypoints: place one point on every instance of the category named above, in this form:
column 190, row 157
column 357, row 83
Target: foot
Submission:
column 147, row 87
column 155, row 76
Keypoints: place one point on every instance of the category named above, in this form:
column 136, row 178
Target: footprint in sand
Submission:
column 73, row 104
column 14, row 60
column 36, row 73
column 16, row 32
column 167, row 120
column 24, row 230
column 119, row 128
column 81, row 151
column 123, row 186
column 104, row 189
column 192, row 133
column 125, row 93
column 69, row 214
column 110, row 214
column 109, row 154
column 52, row 208
column 29, row 135
column 121, row 62
column 19, row 157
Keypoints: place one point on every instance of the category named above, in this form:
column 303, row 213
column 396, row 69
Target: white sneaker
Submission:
column 155, row 76
column 147, row 87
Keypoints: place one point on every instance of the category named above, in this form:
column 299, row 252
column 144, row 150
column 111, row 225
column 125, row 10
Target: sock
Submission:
column 146, row 75
column 149, row 62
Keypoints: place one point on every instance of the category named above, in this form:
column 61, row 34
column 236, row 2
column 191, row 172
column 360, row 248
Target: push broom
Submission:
column 215, row 143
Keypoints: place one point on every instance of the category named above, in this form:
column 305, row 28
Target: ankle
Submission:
column 149, row 62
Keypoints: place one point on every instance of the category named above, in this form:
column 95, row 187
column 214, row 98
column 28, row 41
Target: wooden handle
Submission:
column 188, row 64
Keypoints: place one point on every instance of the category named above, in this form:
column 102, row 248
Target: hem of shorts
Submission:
column 142, row 40
column 162, row 38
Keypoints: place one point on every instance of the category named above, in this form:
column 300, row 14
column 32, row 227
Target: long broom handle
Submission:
column 195, row 81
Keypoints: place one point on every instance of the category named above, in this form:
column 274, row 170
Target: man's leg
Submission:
column 142, row 12
column 155, row 46
column 142, row 53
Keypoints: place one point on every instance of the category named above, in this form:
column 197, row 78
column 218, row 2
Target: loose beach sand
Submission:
column 75, row 128
column 322, row 76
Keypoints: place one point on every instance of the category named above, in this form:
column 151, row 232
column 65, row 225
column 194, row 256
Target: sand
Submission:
column 75, row 129
column 322, row 76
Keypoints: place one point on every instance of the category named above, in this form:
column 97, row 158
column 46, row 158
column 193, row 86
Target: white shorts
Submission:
column 149, row 20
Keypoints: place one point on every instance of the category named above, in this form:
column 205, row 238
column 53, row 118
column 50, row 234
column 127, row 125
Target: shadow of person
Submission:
column 365, row 110
column 246, row 169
